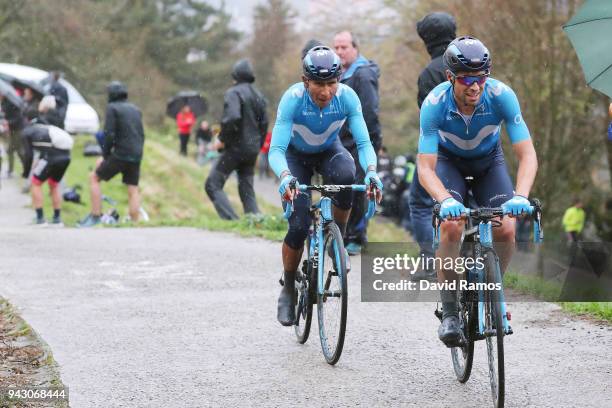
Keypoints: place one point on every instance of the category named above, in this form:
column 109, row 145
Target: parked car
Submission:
column 80, row 116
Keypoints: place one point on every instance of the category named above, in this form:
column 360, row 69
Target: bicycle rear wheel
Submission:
column 332, row 304
column 304, row 279
column 494, row 331
column 463, row 356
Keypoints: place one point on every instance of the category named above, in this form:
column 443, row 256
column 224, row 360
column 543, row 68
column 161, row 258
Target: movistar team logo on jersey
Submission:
column 469, row 144
column 433, row 99
column 497, row 89
column 316, row 139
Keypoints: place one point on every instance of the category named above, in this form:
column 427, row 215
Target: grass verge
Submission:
column 25, row 359
column 549, row 291
column 173, row 195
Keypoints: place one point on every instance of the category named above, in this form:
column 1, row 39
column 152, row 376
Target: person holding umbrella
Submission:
column 185, row 107
column 184, row 121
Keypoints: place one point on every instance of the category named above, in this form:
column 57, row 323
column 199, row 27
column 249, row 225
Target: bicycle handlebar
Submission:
column 331, row 189
column 488, row 213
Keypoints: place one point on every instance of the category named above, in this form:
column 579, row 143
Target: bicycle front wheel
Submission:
column 463, row 356
column 332, row 303
column 305, row 278
column 494, row 331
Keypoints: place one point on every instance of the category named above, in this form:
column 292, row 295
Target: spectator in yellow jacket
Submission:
column 573, row 221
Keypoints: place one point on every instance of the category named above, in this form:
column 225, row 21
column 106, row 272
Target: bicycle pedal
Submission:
column 490, row 332
column 509, row 331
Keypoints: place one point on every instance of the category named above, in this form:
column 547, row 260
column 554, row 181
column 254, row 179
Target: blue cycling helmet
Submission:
column 467, row 54
column 321, row 64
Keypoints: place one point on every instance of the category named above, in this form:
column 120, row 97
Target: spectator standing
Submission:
column 53, row 146
column 573, row 221
column 362, row 75
column 436, row 30
column 203, row 138
column 30, row 104
column 184, row 122
column 61, row 97
column 14, row 119
column 243, row 127
column 122, row 152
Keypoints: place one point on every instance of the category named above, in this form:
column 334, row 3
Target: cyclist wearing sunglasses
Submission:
column 305, row 139
column 460, row 137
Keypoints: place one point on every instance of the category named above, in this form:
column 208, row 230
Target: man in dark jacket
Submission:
column 122, row 152
column 243, row 128
column 61, row 97
column 362, row 75
column 436, row 30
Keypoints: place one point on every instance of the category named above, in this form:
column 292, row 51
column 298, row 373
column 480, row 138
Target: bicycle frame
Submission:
column 322, row 214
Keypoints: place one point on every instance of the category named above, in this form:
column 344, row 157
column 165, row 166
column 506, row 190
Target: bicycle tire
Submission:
column 304, row 279
column 463, row 357
column 332, row 347
column 494, row 319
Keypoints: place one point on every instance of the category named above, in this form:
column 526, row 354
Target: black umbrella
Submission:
column 10, row 93
column 37, row 89
column 192, row 98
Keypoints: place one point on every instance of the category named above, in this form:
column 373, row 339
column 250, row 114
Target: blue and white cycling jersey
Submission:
column 470, row 137
column 310, row 129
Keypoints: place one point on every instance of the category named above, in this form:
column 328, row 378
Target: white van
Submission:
column 80, row 116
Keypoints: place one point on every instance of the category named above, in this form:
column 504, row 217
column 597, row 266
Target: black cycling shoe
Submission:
column 450, row 332
column 286, row 306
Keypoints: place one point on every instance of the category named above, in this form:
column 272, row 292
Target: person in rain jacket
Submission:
column 362, row 76
column 122, row 151
column 53, row 146
column 184, row 122
column 573, row 221
column 436, row 30
column 243, row 128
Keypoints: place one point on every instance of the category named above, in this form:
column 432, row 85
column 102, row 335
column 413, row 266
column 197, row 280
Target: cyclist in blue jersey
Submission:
column 304, row 139
column 460, row 137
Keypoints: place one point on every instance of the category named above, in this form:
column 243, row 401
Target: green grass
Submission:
column 549, row 291
column 533, row 285
column 602, row 310
column 172, row 191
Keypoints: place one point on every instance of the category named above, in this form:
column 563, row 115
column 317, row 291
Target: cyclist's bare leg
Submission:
column 450, row 243
column 504, row 237
column 291, row 258
column 341, row 218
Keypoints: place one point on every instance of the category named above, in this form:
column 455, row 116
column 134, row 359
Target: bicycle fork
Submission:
column 486, row 233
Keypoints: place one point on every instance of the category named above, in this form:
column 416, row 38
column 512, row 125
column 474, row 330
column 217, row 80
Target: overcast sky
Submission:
column 242, row 10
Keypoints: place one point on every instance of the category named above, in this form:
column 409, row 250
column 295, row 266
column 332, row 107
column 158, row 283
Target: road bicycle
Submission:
column 482, row 307
column 322, row 275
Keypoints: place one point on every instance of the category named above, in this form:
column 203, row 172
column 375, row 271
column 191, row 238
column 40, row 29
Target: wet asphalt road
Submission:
column 180, row 317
